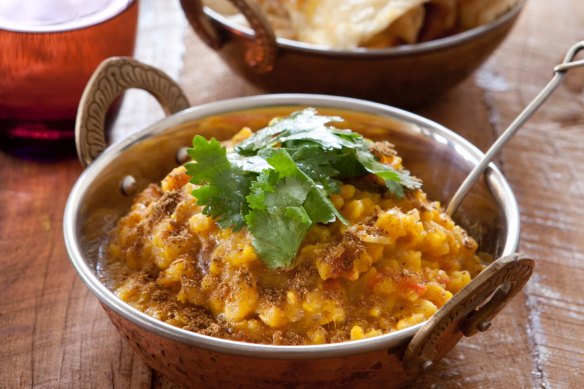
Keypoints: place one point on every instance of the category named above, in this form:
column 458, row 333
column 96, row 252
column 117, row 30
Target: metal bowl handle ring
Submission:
column 471, row 310
column 111, row 78
column 261, row 51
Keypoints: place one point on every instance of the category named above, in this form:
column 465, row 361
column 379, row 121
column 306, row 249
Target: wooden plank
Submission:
column 54, row 333
column 545, row 166
column 206, row 78
column 159, row 43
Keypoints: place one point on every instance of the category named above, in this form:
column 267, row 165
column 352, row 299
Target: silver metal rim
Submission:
column 472, row 154
column 403, row 50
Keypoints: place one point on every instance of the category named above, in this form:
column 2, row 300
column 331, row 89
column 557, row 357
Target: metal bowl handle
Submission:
column 471, row 310
column 261, row 51
column 112, row 77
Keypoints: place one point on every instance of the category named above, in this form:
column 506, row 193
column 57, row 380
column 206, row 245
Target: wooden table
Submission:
column 53, row 333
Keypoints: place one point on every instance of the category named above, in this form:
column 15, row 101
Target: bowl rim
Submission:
column 87, row 273
column 397, row 51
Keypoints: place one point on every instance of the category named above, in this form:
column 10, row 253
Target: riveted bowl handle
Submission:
column 471, row 310
column 261, row 51
column 112, row 77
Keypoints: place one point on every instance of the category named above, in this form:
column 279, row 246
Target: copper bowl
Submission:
column 406, row 75
column 103, row 192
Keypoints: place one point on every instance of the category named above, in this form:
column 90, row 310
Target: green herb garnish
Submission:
column 278, row 181
column 224, row 184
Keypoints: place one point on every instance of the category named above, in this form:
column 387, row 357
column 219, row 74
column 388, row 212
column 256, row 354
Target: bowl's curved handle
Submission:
column 112, row 77
column 470, row 310
column 261, row 51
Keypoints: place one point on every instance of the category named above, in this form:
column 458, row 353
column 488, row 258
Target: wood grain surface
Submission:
column 55, row 334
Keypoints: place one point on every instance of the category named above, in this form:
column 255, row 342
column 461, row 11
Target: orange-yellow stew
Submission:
column 392, row 266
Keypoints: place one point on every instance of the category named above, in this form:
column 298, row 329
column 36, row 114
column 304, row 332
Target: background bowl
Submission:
column 433, row 153
column 406, row 75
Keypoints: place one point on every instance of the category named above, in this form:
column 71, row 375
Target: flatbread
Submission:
column 346, row 24
column 404, row 30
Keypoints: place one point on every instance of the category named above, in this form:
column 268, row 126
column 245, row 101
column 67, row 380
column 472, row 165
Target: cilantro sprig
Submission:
column 277, row 182
column 224, row 185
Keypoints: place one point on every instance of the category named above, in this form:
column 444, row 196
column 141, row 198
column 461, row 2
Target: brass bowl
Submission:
column 103, row 192
column 406, row 75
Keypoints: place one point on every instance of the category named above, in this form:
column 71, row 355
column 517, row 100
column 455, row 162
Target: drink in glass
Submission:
column 48, row 51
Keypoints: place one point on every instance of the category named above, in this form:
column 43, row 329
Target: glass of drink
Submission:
column 48, row 51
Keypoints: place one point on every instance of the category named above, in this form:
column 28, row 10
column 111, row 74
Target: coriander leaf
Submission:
column 284, row 203
column 265, row 183
column 277, row 220
column 348, row 135
column 253, row 164
column 281, row 161
column 317, row 164
column 277, row 237
column 394, row 179
column 321, row 135
column 318, row 206
column 278, row 181
column 321, row 209
column 304, row 125
column 272, row 194
column 224, row 186
column 348, row 165
column 298, row 213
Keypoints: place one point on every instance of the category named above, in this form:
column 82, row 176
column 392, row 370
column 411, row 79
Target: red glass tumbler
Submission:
column 48, row 51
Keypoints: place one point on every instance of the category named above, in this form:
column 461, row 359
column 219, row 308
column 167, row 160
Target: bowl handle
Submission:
column 261, row 50
column 468, row 311
column 112, row 77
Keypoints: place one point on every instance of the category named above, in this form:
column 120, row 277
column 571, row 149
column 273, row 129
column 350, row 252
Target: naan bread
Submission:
column 404, row 30
column 346, row 24
column 474, row 13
